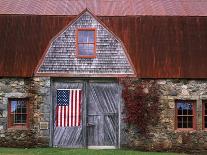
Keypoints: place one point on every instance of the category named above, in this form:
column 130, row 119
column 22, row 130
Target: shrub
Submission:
column 141, row 98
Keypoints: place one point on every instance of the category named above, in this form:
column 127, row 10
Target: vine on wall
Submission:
column 141, row 98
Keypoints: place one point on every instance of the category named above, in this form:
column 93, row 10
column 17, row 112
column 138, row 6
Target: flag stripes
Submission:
column 68, row 108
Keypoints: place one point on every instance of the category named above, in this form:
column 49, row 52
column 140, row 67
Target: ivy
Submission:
column 141, row 98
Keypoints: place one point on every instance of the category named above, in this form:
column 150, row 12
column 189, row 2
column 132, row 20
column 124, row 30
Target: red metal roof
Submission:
column 159, row 46
column 106, row 7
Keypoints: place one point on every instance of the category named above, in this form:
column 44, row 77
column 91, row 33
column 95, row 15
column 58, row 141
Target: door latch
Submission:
column 90, row 125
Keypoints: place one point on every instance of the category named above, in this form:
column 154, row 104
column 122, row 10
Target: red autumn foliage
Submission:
column 141, row 98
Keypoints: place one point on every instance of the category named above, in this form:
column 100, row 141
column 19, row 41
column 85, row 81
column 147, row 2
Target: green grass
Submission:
column 61, row 151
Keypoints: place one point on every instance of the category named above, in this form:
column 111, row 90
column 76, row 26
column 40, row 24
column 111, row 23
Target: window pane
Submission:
column 185, row 108
column 89, row 52
column 24, row 118
column 19, row 107
column 17, row 118
column 20, row 118
column 205, row 124
column 184, row 122
column 180, row 111
column 205, row 105
column 185, row 111
column 82, row 36
column 86, row 43
column 19, row 110
column 180, row 108
column 205, row 108
column 24, row 110
column 23, row 104
column 82, row 49
column 205, row 111
column 85, row 36
column 190, row 122
column 190, row 112
column 205, row 121
column 13, row 106
column 90, row 47
column 190, row 106
column 91, row 36
column 86, row 49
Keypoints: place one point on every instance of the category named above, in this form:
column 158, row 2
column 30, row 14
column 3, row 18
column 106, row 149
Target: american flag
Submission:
column 68, row 107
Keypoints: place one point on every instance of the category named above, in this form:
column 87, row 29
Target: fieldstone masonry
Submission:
column 38, row 92
column 163, row 136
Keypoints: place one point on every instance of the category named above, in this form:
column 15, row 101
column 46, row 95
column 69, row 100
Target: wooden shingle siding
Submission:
column 110, row 55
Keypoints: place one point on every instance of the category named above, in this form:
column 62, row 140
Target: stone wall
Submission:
column 164, row 136
column 38, row 92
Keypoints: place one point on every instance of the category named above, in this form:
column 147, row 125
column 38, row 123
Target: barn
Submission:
column 62, row 63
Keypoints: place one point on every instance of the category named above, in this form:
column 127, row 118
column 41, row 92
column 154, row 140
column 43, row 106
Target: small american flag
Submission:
column 68, row 107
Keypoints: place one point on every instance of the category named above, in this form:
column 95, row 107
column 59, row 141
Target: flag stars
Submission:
column 62, row 97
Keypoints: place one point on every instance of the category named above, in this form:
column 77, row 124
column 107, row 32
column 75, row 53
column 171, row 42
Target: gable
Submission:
column 61, row 60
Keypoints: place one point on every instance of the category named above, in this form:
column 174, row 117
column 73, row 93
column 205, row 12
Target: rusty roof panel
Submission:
column 164, row 47
column 159, row 46
column 106, row 7
column 23, row 40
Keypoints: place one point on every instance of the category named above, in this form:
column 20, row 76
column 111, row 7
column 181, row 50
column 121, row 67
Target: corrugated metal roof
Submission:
column 106, row 7
column 159, row 46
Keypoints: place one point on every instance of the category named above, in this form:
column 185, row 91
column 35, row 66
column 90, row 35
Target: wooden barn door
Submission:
column 103, row 115
column 66, row 135
column 99, row 125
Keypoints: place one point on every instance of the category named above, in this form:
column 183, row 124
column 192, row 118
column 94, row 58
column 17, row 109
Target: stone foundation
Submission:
column 164, row 136
column 38, row 92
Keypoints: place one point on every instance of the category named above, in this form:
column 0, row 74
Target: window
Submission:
column 204, row 114
column 185, row 114
column 86, row 43
column 18, row 113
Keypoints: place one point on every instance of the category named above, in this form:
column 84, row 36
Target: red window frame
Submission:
column 11, row 123
column 193, row 115
column 77, row 43
column 203, row 114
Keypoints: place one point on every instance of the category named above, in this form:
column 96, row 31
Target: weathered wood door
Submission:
column 99, row 115
column 67, row 136
column 103, row 114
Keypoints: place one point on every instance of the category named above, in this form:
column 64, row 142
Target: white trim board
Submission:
column 69, row 89
column 101, row 147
